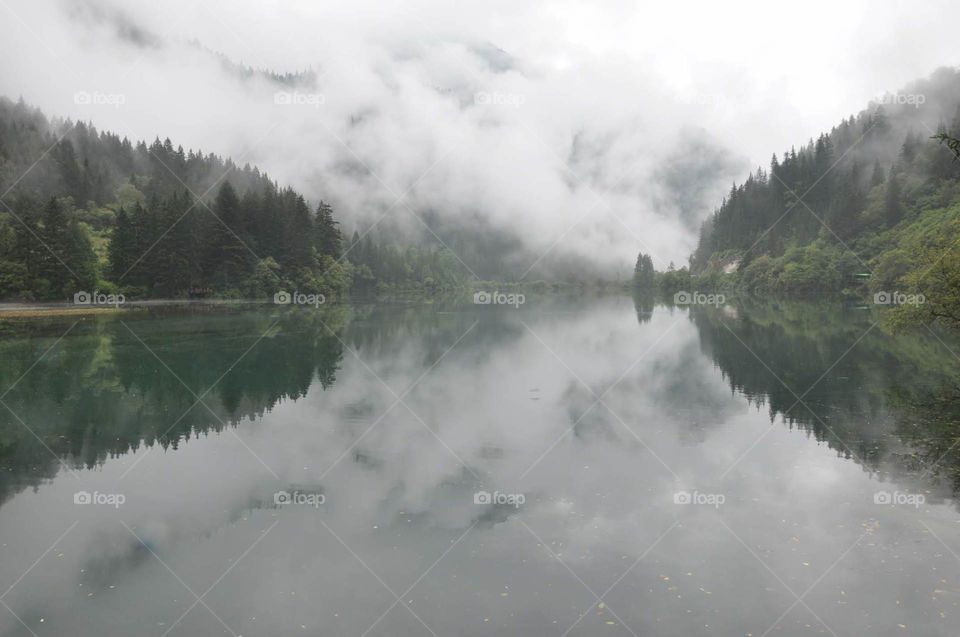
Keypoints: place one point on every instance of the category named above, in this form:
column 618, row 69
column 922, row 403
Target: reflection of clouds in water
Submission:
column 477, row 403
column 598, row 499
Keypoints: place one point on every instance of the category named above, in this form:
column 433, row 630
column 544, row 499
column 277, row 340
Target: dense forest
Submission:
column 871, row 206
column 83, row 210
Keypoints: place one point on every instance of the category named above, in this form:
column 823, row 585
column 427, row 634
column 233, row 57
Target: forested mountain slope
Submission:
column 85, row 210
column 875, row 197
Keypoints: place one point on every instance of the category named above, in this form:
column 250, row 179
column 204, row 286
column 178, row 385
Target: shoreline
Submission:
column 43, row 309
column 18, row 309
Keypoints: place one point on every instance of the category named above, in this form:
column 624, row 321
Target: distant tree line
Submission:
column 96, row 211
column 380, row 266
column 86, row 210
column 771, row 211
column 251, row 245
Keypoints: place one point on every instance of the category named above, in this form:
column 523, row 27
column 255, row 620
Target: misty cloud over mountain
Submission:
column 518, row 151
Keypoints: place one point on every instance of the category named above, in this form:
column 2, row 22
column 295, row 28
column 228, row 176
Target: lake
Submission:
column 572, row 466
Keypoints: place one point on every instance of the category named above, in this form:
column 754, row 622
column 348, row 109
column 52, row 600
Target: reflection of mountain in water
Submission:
column 890, row 402
column 99, row 392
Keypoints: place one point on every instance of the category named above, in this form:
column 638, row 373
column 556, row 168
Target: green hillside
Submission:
column 870, row 208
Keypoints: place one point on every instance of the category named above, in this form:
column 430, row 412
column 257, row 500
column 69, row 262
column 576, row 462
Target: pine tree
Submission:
column 68, row 262
column 299, row 240
column 55, row 238
column 81, row 258
column 123, row 244
column 846, row 208
column 228, row 259
column 143, row 256
column 892, row 207
column 176, row 250
column 329, row 239
column 911, row 145
column 643, row 273
column 71, row 175
column 878, row 176
column 28, row 249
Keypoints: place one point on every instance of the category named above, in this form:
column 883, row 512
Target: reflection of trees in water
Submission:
column 380, row 332
column 100, row 393
column 927, row 422
column 890, row 401
column 644, row 301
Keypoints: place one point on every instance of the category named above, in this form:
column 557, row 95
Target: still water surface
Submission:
column 602, row 467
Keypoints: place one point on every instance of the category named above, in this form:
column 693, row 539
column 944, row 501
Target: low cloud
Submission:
column 516, row 142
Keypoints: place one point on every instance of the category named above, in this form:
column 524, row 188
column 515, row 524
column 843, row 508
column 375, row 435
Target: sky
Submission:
column 578, row 133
